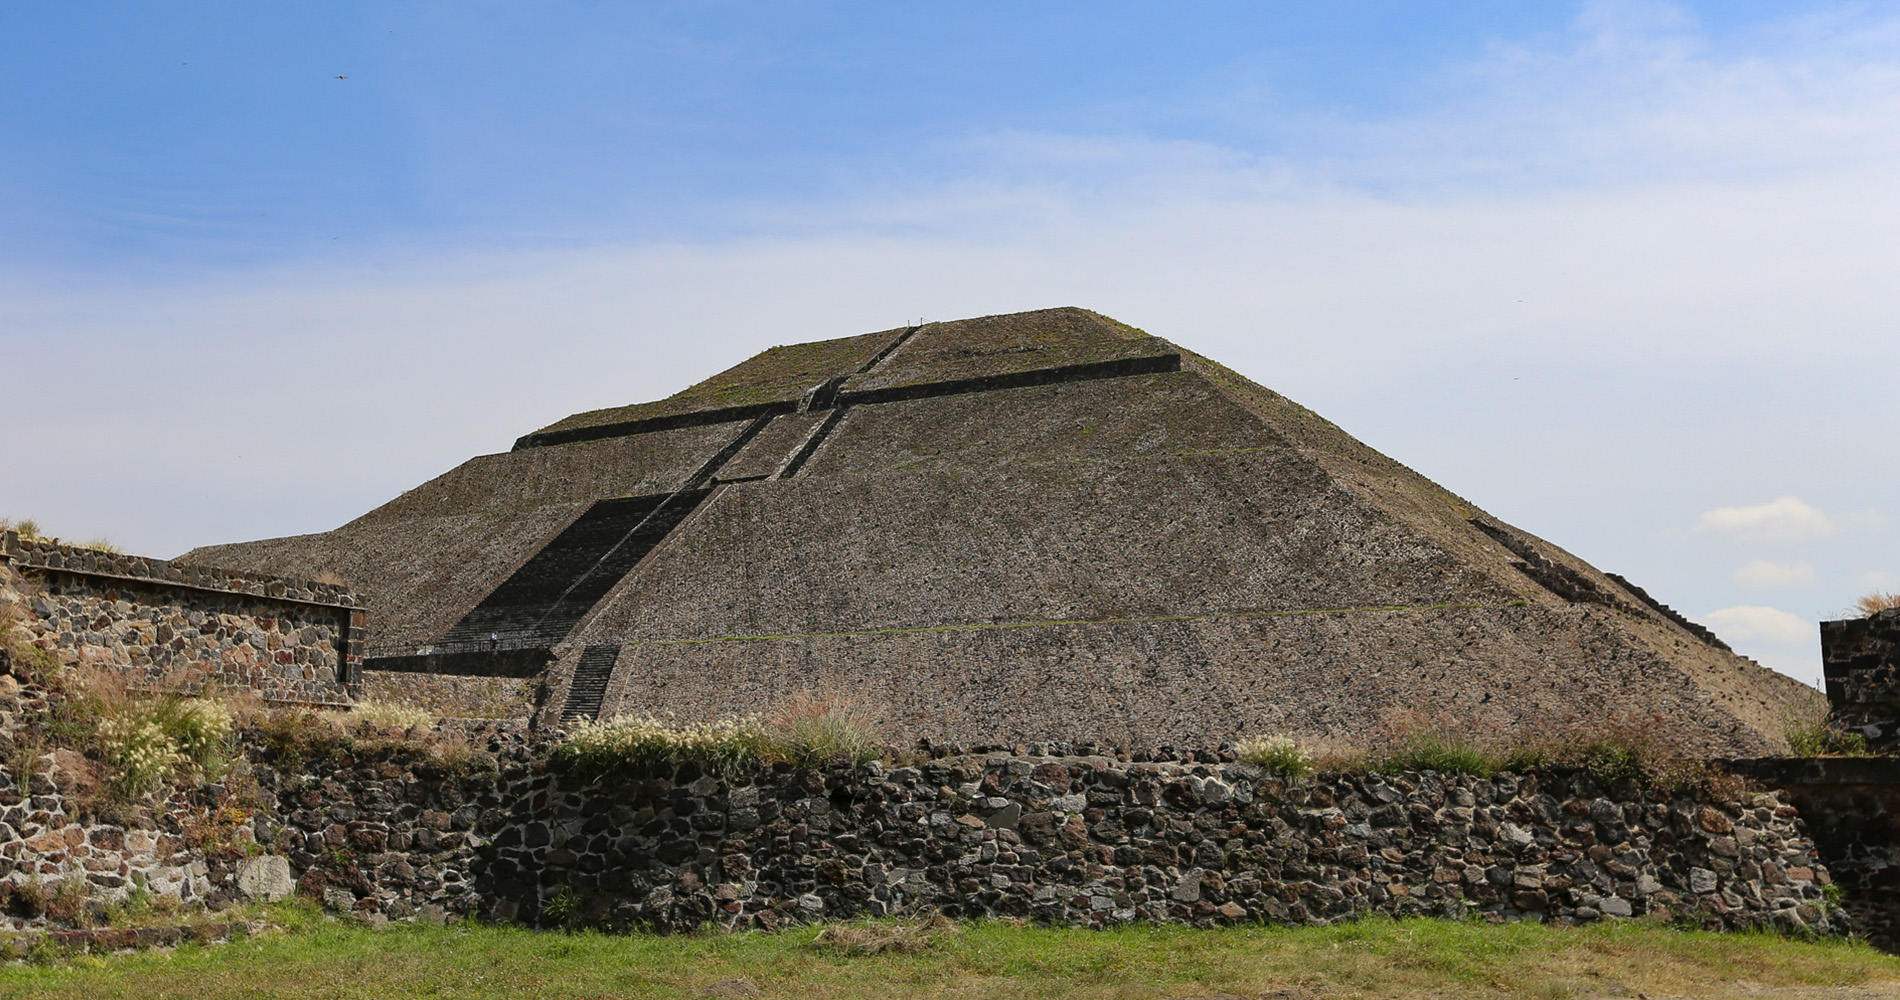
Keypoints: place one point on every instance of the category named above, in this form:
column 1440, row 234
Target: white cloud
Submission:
column 1763, row 573
column 1756, row 623
column 1784, row 519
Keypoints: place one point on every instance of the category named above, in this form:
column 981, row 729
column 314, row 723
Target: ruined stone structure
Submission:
column 1047, row 525
column 184, row 627
column 1860, row 663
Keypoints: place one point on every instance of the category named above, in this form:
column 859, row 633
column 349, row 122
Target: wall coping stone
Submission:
column 1820, row 770
column 81, row 561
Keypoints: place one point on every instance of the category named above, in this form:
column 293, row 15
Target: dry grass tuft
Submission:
column 1610, row 748
column 1869, row 605
column 27, row 528
column 29, row 531
column 813, row 729
column 451, row 697
column 387, row 715
column 884, row 938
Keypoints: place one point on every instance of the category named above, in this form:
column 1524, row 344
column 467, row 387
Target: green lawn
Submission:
column 1379, row 958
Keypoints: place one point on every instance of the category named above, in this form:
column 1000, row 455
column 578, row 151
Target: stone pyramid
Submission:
column 1046, row 525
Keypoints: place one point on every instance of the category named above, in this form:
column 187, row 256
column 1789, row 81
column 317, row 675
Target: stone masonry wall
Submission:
column 1069, row 839
column 186, row 626
column 1860, row 659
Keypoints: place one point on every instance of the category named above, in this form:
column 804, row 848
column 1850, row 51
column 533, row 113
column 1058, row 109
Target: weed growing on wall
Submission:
column 63, row 901
column 140, row 753
column 220, row 831
column 1608, row 749
column 30, row 661
column 296, row 739
column 133, row 742
column 289, row 739
column 1419, row 743
column 595, row 748
column 1815, row 734
column 200, row 730
column 1281, row 755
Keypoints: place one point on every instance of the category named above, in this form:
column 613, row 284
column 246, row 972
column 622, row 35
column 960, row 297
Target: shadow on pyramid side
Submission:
column 1046, row 525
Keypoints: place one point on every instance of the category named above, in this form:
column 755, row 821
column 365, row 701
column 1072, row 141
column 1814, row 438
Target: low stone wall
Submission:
column 104, row 940
column 1083, row 840
column 187, row 626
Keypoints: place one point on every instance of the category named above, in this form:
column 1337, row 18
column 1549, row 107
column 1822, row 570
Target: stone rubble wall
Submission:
column 46, row 839
column 186, row 627
column 52, row 838
column 1064, row 839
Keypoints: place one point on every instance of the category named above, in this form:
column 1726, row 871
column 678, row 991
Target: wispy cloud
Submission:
column 1757, row 623
column 1783, row 519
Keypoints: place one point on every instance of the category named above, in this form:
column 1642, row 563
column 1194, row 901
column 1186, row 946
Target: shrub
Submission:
column 1278, row 754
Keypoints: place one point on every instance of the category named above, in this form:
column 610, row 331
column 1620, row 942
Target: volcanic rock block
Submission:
column 1046, row 525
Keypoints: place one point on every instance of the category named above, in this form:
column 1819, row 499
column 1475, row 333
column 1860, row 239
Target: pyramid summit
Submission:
column 1044, row 525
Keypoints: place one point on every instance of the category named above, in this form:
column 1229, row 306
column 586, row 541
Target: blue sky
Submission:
column 1621, row 273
